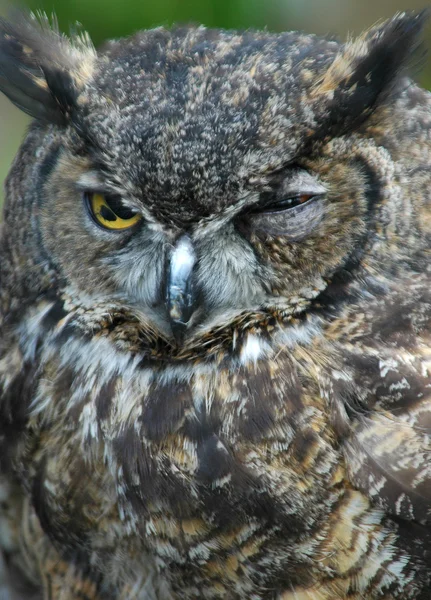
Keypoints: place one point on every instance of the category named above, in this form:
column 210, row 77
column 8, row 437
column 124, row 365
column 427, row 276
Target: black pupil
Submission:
column 107, row 214
column 118, row 210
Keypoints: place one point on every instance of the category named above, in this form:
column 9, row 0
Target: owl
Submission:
column 215, row 317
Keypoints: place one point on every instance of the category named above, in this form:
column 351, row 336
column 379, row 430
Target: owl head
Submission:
column 190, row 182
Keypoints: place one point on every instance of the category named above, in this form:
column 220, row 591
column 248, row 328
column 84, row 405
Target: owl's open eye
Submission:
column 110, row 213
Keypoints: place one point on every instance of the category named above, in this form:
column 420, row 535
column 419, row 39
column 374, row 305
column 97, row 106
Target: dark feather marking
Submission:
column 49, row 163
column 62, row 88
column 364, row 371
column 65, row 382
column 165, row 408
column 18, row 584
column 48, row 518
column 243, row 494
column 256, row 386
column 54, row 315
column 155, row 480
column 39, row 500
column 14, row 405
column 414, row 540
column 264, row 393
column 398, row 495
column 393, row 322
column 215, row 460
column 401, row 398
column 135, row 460
column 338, row 291
column 104, row 399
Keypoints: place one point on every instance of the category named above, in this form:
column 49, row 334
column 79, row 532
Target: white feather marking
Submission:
column 253, row 349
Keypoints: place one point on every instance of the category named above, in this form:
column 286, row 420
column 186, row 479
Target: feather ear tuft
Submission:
column 41, row 71
column 365, row 70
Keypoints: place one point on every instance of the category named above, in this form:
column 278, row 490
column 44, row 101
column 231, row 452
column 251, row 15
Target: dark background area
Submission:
column 116, row 18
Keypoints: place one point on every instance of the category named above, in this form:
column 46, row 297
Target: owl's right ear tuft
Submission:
column 41, row 71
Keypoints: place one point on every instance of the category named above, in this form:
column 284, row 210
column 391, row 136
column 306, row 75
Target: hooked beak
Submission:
column 180, row 288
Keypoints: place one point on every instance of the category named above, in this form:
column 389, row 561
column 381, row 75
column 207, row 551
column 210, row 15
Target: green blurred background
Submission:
column 115, row 18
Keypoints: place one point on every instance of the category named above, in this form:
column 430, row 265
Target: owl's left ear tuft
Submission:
column 365, row 70
column 41, row 71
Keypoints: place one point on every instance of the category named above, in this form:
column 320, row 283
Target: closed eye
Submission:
column 281, row 204
column 292, row 221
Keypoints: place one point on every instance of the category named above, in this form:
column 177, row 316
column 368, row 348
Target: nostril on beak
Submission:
column 180, row 290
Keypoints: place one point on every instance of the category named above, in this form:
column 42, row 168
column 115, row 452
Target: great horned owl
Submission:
column 215, row 307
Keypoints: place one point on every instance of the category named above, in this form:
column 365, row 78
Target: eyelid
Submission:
column 291, row 191
column 296, row 183
column 90, row 183
column 301, row 181
column 275, row 199
column 108, row 193
column 292, row 224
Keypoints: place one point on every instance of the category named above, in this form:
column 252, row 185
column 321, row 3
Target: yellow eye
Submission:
column 110, row 212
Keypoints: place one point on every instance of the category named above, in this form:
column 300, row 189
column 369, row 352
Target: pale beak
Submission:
column 180, row 288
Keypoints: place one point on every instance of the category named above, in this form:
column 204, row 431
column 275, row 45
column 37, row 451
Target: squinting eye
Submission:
column 292, row 216
column 110, row 213
column 286, row 203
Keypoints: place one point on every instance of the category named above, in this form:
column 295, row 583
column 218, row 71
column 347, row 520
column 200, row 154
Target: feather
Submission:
column 41, row 71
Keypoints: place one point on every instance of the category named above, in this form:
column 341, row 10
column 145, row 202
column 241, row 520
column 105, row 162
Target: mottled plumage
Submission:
column 229, row 396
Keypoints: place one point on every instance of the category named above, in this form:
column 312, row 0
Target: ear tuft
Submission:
column 41, row 71
column 365, row 70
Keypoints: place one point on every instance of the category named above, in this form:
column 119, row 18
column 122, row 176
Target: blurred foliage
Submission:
column 115, row 18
